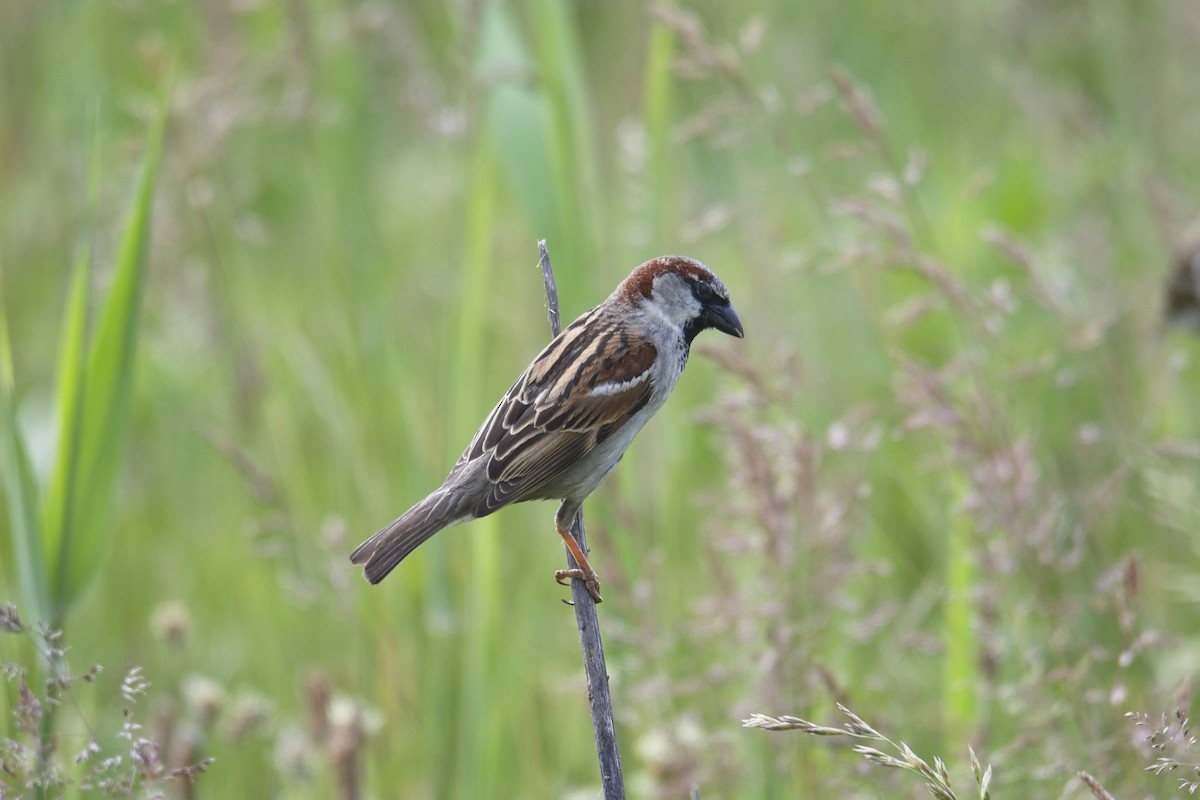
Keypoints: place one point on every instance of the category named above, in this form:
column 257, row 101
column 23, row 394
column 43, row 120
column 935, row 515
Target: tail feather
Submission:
column 382, row 552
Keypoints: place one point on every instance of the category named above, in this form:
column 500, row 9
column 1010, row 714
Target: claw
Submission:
column 591, row 581
column 584, row 571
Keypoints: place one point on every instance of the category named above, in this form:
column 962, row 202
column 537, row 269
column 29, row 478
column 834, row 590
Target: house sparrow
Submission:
column 567, row 420
column 1183, row 290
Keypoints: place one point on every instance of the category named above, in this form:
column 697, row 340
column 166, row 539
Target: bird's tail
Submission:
column 382, row 552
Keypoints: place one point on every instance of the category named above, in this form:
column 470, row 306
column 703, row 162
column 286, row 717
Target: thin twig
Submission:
column 551, row 289
column 585, row 614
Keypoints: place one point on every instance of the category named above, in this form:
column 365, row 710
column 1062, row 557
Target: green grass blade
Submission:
column 108, row 377
column 658, row 117
column 573, row 151
column 59, row 503
column 476, row 749
column 21, row 494
column 518, row 122
column 60, row 499
column 959, row 635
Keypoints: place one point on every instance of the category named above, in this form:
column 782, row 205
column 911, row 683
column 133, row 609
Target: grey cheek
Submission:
column 685, row 309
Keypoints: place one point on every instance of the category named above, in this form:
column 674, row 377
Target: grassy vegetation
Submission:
column 950, row 480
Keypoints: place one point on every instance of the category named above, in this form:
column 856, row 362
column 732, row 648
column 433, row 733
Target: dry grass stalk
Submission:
column 935, row 775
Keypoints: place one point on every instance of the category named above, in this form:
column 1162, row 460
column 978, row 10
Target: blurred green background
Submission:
column 949, row 478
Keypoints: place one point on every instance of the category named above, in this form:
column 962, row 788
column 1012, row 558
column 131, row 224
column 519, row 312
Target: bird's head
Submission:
column 684, row 293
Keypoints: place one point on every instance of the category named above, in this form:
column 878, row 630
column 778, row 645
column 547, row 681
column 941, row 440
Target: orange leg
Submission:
column 585, row 573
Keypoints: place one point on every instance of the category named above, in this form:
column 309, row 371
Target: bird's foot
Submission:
column 591, row 581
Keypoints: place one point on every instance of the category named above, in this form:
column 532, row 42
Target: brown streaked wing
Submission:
column 568, row 428
column 543, row 456
column 569, row 400
column 512, row 409
column 608, row 390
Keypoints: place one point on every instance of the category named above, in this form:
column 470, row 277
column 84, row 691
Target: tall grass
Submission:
column 58, row 549
column 60, row 532
column 474, row 739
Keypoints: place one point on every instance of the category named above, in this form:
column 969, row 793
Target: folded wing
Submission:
column 574, row 395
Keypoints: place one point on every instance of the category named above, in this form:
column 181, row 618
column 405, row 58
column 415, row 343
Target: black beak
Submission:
column 723, row 318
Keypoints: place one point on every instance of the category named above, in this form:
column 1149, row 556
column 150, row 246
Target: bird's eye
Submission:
column 704, row 292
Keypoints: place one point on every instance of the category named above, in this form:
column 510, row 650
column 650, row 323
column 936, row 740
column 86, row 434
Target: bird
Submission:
column 1183, row 288
column 568, row 419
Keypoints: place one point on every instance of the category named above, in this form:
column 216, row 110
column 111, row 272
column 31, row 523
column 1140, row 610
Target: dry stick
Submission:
column 585, row 614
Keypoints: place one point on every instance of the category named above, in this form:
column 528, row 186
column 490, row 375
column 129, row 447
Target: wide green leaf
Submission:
column 94, row 405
